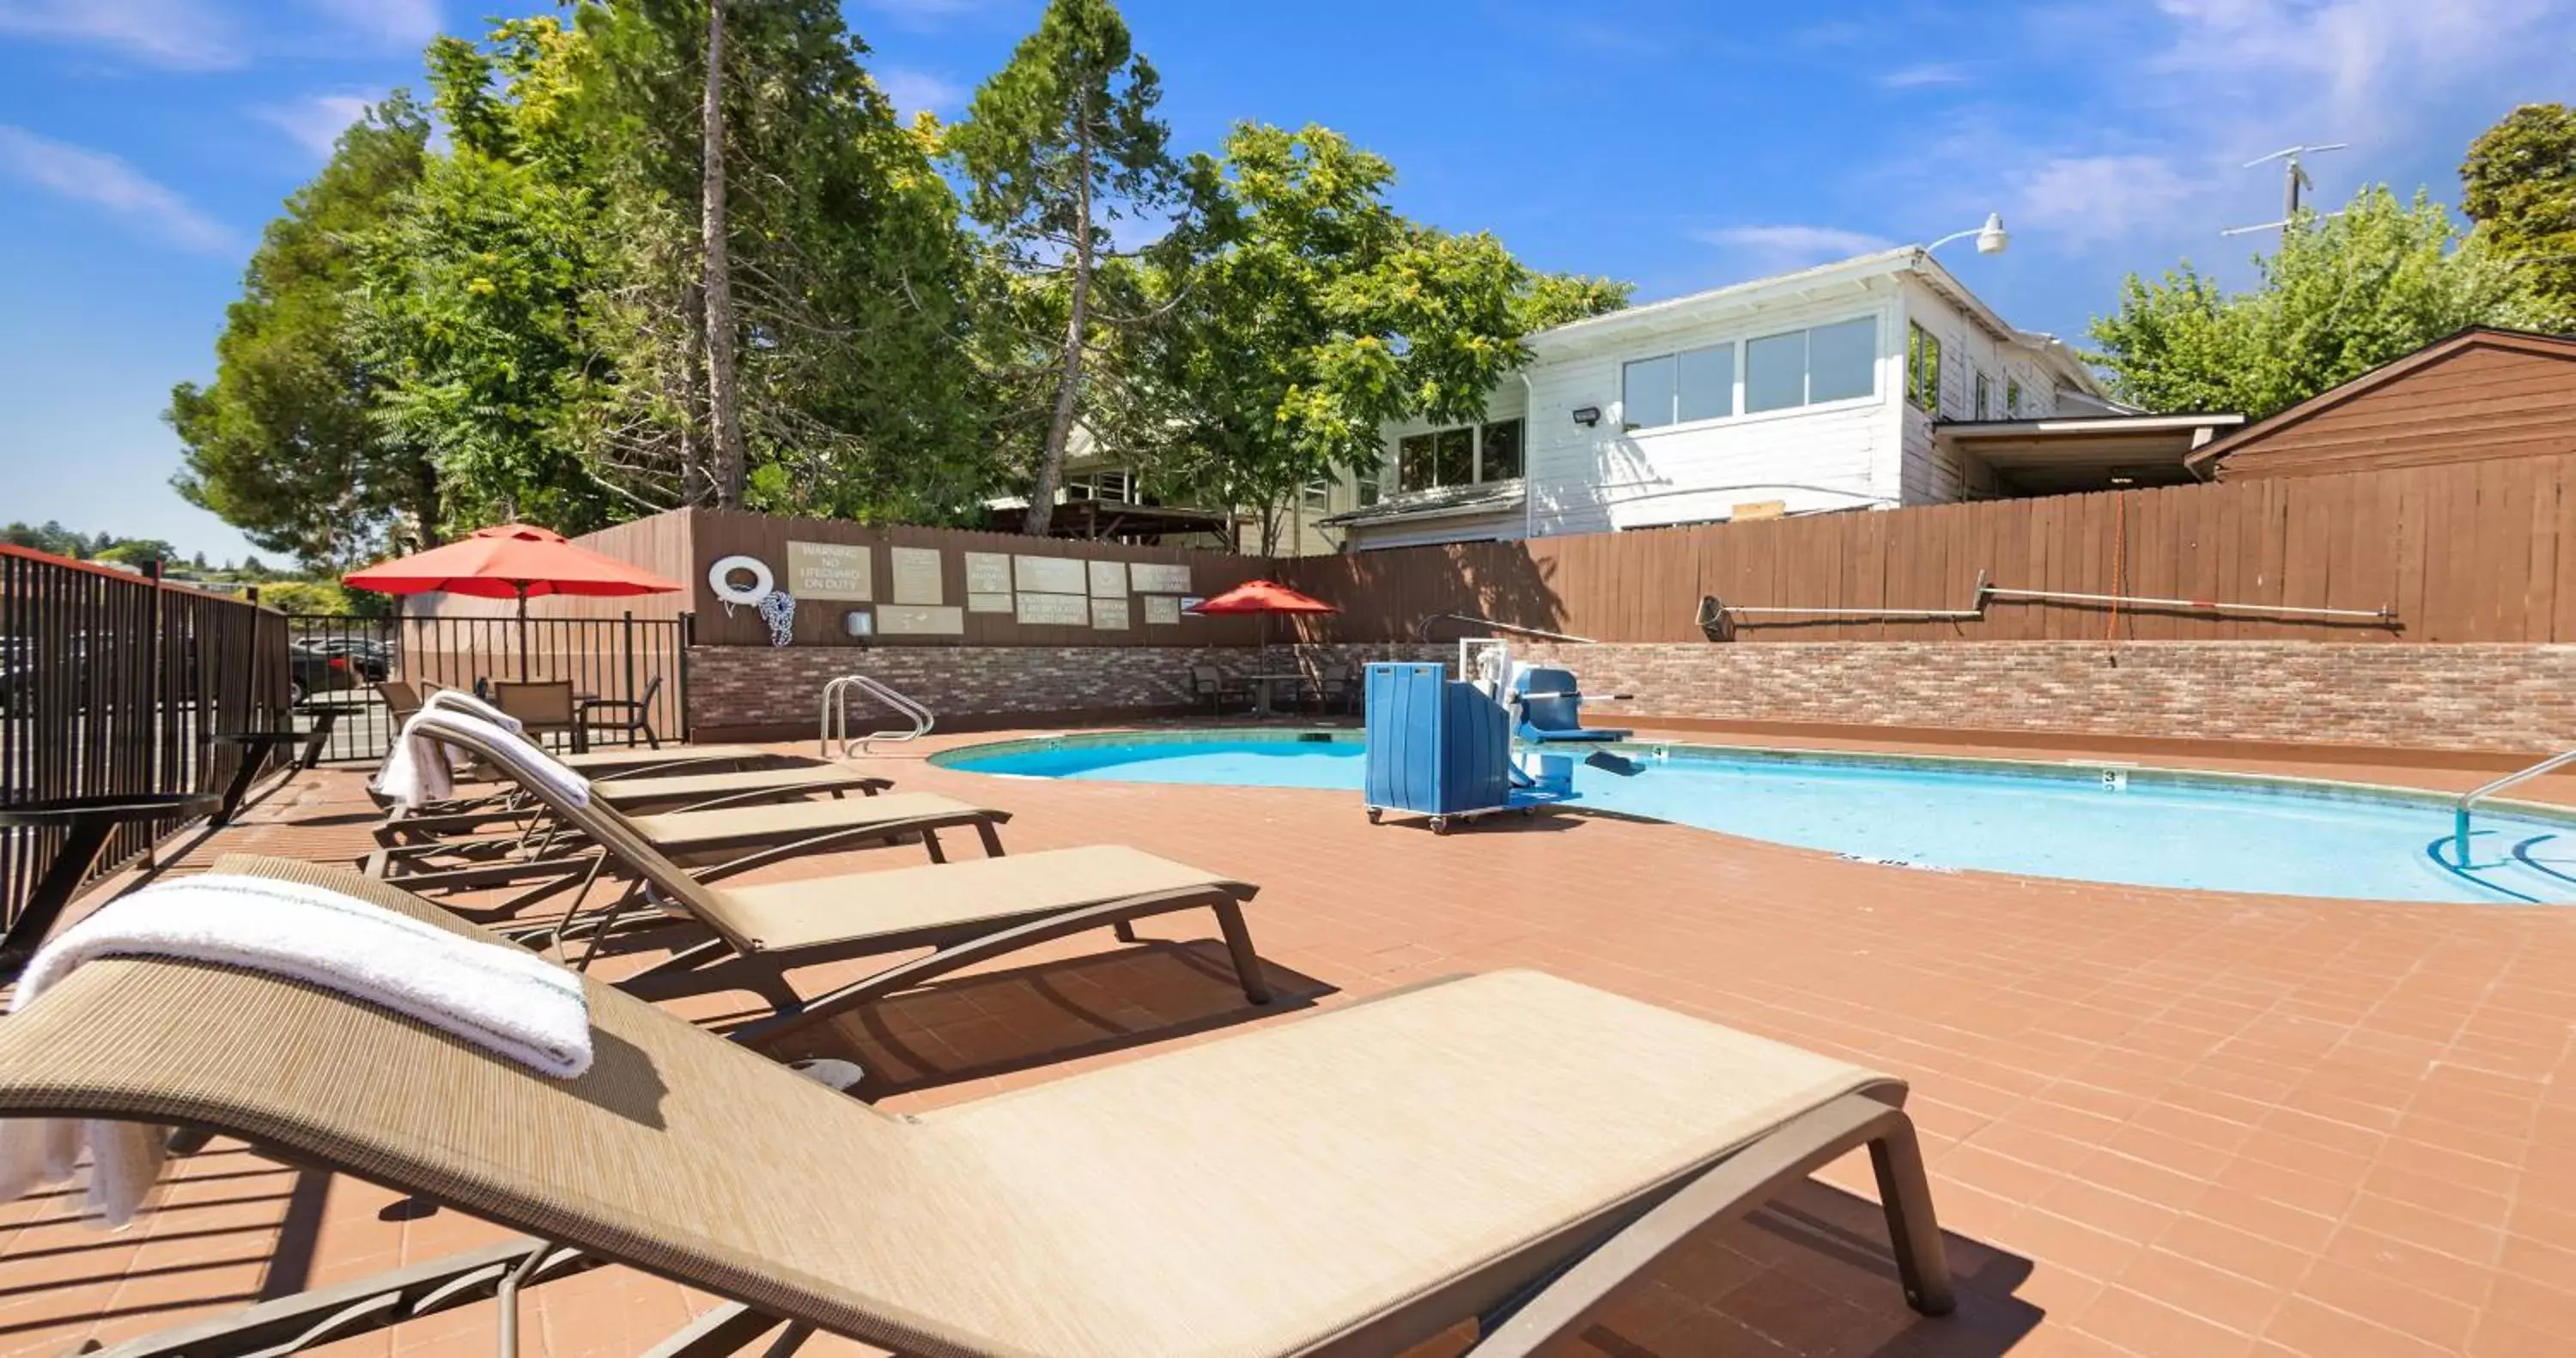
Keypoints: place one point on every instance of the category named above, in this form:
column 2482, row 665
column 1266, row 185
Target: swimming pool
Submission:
column 2146, row 827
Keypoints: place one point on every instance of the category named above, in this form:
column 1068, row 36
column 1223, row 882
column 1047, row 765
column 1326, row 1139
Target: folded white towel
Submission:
column 506, row 1001
column 417, row 770
column 519, row 756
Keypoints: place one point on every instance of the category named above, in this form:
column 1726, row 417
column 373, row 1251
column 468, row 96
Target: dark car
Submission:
column 370, row 659
column 313, row 670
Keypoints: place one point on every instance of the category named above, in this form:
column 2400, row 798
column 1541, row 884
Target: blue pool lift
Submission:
column 1458, row 749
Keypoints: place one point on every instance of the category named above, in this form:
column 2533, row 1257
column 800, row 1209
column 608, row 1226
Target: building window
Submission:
column 1678, row 388
column 1498, row 451
column 1118, row 487
column 1805, row 367
column 1370, row 490
column 1458, row 457
column 1982, row 396
column 1319, row 496
column 1923, row 368
column 2012, row 397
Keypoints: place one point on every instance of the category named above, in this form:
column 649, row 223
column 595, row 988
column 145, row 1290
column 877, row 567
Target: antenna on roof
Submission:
column 2294, row 181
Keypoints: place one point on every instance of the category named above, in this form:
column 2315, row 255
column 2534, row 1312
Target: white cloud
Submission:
column 919, row 91
column 80, row 175
column 186, row 35
column 1928, row 73
column 315, row 122
column 1777, row 249
column 2132, row 141
column 2086, row 200
column 400, row 24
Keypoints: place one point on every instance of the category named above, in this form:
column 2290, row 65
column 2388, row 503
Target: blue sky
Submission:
column 143, row 144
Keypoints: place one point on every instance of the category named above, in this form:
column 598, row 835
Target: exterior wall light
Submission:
column 1587, row 416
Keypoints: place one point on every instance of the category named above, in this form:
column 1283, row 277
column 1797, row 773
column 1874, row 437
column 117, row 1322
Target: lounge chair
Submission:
column 1508, row 1147
column 559, row 843
column 681, row 790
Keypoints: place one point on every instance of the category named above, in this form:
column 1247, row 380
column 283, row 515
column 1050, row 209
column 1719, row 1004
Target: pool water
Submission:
column 2137, row 826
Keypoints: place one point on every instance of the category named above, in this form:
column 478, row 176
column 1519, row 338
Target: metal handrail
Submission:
column 2460, row 807
column 836, row 715
column 1422, row 629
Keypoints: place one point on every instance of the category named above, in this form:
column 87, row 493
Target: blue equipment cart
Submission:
column 1440, row 747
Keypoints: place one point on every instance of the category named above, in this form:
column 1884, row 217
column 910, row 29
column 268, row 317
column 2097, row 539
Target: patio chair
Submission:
column 402, row 698
column 1220, row 689
column 628, row 717
column 1511, row 1148
column 543, row 706
column 683, row 789
column 1334, row 687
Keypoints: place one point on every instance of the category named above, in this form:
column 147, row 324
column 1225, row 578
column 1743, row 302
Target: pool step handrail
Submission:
column 2460, row 807
column 836, row 716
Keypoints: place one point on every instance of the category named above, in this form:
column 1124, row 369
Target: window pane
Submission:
column 1413, row 470
column 1707, row 381
column 2012, row 398
column 1775, row 372
column 1502, row 457
column 1646, row 393
column 1842, row 360
column 1456, row 456
column 1923, row 380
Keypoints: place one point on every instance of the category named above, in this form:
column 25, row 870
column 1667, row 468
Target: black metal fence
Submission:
column 342, row 662
column 115, row 685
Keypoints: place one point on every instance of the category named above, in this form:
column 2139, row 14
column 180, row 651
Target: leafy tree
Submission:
column 2519, row 185
column 1057, row 147
column 1313, row 314
column 51, row 537
column 856, row 389
column 2341, row 296
column 136, row 551
column 467, row 304
column 282, row 445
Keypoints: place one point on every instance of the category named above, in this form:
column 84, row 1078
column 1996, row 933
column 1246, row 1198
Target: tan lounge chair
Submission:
column 968, row 912
column 558, row 843
column 1509, row 1147
column 680, row 790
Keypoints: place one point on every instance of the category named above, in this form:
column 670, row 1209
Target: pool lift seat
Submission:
column 1548, row 709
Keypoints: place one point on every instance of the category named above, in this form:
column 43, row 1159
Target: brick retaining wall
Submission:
column 2476, row 697
column 763, row 692
column 2470, row 697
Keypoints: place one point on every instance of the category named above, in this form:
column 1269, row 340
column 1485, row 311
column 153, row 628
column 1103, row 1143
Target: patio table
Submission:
column 86, row 823
column 1261, row 703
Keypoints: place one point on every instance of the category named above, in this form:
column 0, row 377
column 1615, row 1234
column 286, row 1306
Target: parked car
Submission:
column 372, row 660
column 313, row 670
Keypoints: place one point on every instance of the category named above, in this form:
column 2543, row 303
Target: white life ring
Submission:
column 720, row 579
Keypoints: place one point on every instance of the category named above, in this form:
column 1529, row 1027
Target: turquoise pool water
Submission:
column 2138, row 826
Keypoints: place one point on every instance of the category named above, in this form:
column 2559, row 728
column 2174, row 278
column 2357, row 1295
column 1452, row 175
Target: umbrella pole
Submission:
column 523, row 631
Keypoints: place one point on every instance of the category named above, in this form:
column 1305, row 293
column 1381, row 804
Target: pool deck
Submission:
column 2158, row 1122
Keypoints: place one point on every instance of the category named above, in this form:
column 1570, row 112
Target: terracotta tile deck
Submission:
column 2159, row 1123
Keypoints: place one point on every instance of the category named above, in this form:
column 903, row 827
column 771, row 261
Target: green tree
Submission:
column 2341, row 296
column 1312, row 314
column 1058, row 147
column 136, row 551
column 857, row 392
column 49, row 536
column 282, row 445
column 467, row 302
column 2519, row 185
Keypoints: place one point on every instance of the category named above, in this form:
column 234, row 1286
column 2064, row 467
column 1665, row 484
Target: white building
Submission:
column 1870, row 383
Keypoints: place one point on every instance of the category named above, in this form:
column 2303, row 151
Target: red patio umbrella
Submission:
column 510, row 561
column 1265, row 598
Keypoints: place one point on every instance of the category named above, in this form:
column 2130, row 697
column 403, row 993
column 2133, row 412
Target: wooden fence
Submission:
column 682, row 544
column 2474, row 552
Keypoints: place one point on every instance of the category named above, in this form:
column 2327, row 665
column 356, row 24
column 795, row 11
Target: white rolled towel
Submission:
column 504, row 1000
